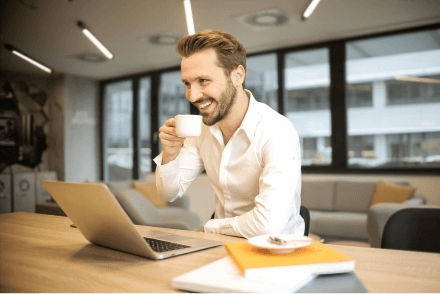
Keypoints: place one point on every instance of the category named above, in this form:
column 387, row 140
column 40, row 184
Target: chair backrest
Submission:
column 305, row 214
column 415, row 229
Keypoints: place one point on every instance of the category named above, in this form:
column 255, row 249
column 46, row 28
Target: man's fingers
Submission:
column 170, row 122
column 168, row 137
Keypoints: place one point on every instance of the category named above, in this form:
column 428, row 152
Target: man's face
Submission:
column 207, row 86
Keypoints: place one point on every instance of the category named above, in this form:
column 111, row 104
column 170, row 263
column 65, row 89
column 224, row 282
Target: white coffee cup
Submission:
column 188, row 125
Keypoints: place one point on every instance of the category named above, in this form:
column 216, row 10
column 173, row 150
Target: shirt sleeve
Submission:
column 174, row 178
column 278, row 202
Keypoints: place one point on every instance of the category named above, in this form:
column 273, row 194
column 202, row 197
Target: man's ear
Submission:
column 238, row 76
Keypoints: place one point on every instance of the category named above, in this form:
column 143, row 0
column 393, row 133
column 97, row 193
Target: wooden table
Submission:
column 42, row 253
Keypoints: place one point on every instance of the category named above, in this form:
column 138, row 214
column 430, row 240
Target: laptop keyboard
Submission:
column 163, row 246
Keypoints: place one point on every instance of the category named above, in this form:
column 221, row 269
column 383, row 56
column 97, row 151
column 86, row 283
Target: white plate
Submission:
column 263, row 242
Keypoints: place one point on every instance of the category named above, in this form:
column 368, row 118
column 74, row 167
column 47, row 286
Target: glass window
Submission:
column 401, row 125
column 172, row 99
column 359, row 95
column 145, row 126
column 307, row 103
column 118, row 140
column 262, row 79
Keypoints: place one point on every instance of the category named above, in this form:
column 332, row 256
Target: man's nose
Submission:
column 193, row 94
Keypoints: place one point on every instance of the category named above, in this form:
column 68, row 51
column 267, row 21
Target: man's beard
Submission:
column 224, row 105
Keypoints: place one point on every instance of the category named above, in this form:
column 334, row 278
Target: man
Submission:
column 251, row 153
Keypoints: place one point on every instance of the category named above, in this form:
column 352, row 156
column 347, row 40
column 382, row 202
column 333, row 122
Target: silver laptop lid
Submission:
column 102, row 221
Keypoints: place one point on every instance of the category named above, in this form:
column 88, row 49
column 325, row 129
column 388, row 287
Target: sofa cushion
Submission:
column 391, row 193
column 354, row 196
column 317, row 195
column 346, row 225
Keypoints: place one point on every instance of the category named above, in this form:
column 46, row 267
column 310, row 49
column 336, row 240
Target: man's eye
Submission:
column 203, row 81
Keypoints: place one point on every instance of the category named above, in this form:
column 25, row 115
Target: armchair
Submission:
column 143, row 212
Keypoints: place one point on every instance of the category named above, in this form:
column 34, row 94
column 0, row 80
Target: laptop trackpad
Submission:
column 174, row 238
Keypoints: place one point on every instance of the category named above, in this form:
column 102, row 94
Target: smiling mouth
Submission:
column 203, row 106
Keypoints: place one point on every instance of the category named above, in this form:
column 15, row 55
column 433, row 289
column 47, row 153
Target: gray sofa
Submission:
column 339, row 208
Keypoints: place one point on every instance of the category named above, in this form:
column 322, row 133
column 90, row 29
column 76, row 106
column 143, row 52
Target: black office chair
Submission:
column 415, row 229
column 305, row 214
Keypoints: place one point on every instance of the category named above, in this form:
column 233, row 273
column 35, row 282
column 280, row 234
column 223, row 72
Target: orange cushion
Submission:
column 391, row 193
column 150, row 192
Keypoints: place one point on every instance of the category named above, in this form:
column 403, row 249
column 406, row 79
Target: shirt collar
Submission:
column 248, row 124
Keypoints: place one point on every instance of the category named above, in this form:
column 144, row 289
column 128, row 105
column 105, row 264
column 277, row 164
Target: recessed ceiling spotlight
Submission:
column 264, row 19
column 160, row 39
column 89, row 57
column 163, row 39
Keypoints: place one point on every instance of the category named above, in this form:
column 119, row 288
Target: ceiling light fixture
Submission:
column 163, row 39
column 189, row 17
column 94, row 40
column 310, row 9
column 418, row 80
column 28, row 59
column 264, row 19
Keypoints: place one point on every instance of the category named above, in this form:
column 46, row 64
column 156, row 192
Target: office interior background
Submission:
column 360, row 81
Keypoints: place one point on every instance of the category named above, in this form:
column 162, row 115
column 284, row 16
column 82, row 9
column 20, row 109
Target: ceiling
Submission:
column 47, row 31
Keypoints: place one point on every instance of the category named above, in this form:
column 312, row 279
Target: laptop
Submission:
column 100, row 218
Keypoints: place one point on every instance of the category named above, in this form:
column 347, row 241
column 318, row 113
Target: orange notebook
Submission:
column 317, row 258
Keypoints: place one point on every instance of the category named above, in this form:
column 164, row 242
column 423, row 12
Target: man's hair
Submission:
column 230, row 52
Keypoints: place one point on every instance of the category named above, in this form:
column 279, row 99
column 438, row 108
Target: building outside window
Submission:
column 307, row 76
column 400, row 126
column 172, row 99
column 145, row 126
column 392, row 105
column 262, row 78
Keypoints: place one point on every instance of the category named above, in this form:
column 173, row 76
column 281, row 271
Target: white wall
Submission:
column 56, row 132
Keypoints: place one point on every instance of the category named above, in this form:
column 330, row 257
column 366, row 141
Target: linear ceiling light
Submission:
column 189, row 17
column 94, row 40
column 310, row 9
column 28, row 59
column 416, row 79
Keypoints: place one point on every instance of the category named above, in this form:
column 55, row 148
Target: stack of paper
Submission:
column 224, row 276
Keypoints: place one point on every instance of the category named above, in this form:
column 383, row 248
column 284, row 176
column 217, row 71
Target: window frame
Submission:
column 337, row 100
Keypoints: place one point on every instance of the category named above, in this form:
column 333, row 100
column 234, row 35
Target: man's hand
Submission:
column 202, row 229
column 171, row 144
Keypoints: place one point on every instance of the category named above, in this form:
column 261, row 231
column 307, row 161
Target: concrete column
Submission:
column 380, row 147
column 379, row 95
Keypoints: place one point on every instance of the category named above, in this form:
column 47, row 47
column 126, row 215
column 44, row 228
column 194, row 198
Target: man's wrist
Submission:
column 168, row 158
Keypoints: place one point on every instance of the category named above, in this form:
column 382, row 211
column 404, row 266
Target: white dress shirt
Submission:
column 256, row 177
